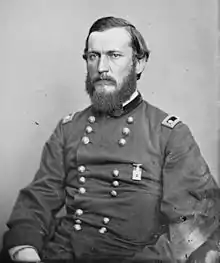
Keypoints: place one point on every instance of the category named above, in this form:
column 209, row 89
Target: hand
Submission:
column 26, row 255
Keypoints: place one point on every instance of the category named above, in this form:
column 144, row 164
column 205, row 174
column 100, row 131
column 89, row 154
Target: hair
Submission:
column 138, row 44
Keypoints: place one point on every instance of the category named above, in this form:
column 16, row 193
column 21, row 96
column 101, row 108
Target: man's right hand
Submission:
column 24, row 253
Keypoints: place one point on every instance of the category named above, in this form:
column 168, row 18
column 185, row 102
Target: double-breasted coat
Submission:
column 126, row 182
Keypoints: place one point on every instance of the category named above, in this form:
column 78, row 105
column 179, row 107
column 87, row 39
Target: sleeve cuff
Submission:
column 21, row 236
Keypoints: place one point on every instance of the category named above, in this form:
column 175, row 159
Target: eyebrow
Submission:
column 109, row 52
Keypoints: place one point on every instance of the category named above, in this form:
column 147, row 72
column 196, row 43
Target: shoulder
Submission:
column 74, row 116
column 168, row 125
column 161, row 118
column 75, row 119
column 70, row 125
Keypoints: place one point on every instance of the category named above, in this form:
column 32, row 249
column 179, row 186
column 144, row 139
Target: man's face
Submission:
column 111, row 77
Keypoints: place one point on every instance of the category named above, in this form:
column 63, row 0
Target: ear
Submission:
column 140, row 65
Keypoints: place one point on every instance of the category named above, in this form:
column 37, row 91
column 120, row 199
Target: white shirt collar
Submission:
column 133, row 96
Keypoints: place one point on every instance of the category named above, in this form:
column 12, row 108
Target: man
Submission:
column 131, row 178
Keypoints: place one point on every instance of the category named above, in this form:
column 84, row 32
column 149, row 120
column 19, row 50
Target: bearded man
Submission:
column 131, row 178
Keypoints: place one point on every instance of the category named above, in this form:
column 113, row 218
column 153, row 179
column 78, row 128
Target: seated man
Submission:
column 130, row 177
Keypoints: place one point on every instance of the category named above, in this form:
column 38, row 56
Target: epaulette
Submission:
column 68, row 118
column 170, row 121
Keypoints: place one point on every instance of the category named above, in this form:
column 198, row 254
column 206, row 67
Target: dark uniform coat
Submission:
column 129, row 183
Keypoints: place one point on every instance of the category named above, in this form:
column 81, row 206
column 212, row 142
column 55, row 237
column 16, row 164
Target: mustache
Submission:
column 106, row 78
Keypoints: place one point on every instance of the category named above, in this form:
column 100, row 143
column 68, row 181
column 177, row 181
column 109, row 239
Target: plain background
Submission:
column 42, row 73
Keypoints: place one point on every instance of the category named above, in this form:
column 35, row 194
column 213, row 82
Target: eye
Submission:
column 115, row 55
column 92, row 56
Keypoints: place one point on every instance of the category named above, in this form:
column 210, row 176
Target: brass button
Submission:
column 82, row 190
column 106, row 220
column 115, row 173
column 122, row 142
column 115, row 183
column 79, row 212
column 85, row 140
column 78, row 221
column 130, row 120
column 77, row 227
column 81, row 169
column 91, row 119
column 113, row 193
column 102, row 230
column 89, row 129
column 125, row 131
column 82, row 179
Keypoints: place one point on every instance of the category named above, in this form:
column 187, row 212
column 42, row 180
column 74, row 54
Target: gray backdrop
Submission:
column 42, row 73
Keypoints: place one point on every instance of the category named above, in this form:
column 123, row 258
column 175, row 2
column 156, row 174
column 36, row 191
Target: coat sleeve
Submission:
column 36, row 205
column 185, row 174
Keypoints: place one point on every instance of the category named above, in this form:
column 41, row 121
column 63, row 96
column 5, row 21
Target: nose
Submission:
column 103, row 65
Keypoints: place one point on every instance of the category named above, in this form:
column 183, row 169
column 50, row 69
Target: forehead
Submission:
column 111, row 39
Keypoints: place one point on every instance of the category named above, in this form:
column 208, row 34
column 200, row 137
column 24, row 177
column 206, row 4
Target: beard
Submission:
column 107, row 102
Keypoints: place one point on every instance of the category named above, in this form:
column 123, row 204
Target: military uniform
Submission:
column 126, row 181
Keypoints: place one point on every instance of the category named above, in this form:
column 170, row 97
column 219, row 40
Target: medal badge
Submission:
column 137, row 172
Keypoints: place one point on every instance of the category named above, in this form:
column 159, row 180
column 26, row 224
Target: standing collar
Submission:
column 133, row 96
column 128, row 106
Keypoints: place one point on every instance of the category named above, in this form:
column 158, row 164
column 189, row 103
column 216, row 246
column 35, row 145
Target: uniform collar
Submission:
column 128, row 106
column 133, row 96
